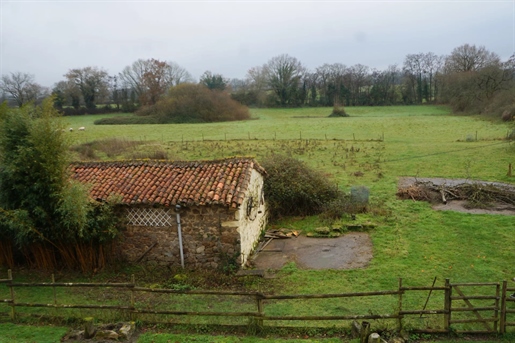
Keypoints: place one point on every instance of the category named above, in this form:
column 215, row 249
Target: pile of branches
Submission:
column 477, row 195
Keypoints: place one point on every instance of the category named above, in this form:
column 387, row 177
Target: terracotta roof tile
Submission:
column 220, row 182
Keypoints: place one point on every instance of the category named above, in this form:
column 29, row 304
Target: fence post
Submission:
column 401, row 292
column 496, row 311
column 132, row 314
column 55, row 296
column 11, row 290
column 259, row 300
column 447, row 305
column 502, row 323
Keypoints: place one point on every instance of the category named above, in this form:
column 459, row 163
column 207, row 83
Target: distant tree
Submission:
column 432, row 65
column 178, row 74
column 384, row 84
column 360, row 84
column 22, row 88
column 67, row 93
column 284, row 76
column 413, row 73
column 467, row 58
column 92, row 82
column 213, row 81
column 150, row 79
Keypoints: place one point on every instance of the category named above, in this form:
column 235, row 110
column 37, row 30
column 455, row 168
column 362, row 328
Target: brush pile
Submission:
column 477, row 194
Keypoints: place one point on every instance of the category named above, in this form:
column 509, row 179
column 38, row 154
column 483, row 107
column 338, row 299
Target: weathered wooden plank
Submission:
column 424, row 312
column 466, row 297
column 111, row 307
column 386, row 316
column 482, row 320
column 427, row 288
column 325, row 296
column 196, row 292
column 200, row 313
column 475, row 284
column 72, row 284
column 468, row 309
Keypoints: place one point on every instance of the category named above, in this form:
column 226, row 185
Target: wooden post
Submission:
column 55, row 296
column 132, row 315
column 447, row 305
column 399, row 309
column 496, row 311
column 259, row 300
column 365, row 331
column 11, row 290
column 353, row 136
column 249, row 135
column 509, row 170
column 502, row 323
column 89, row 327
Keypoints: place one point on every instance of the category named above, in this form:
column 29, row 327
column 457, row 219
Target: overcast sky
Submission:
column 47, row 38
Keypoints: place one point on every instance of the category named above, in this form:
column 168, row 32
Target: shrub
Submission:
column 191, row 103
column 338, row 111
column 126, row 120
column 294, row 189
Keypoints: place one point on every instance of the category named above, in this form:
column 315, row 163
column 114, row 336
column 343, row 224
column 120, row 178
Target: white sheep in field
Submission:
column 82, row 128
column 71, row 129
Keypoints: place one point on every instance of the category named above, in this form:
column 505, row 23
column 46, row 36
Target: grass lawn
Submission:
column 411, row 240
column 13, row 333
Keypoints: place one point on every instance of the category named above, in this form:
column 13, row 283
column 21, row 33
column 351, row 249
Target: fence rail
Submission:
column 485, row 318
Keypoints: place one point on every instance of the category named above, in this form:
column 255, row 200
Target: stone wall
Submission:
column 206, row 242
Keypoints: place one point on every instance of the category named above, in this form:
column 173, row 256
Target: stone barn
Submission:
column 199, row 214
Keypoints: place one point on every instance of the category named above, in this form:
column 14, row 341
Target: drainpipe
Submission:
column 179, row 232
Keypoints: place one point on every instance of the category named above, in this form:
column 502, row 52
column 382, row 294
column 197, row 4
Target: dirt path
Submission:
column 350, row 251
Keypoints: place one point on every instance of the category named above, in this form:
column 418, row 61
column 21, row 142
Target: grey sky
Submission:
column 47, row 38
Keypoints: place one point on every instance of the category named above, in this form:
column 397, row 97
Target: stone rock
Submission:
column 200, row 249
column 107, row 334
column 126, row 331
column 396, row 340
column 322, row 230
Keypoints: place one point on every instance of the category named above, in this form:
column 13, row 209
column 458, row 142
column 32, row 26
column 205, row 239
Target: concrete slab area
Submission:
column 350, row 251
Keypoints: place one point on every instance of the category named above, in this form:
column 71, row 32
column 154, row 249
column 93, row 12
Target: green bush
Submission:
column 127, row 120
column 294, row 189
column 192, row 103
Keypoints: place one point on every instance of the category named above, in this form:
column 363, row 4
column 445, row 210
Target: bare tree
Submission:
column 178, row 74
column 359, row 83
column 22, row 88
column 431, row 64
column 151, row 78
column 470, row 58
column 284, row 75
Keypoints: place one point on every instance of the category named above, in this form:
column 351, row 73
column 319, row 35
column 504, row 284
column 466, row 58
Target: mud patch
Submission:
column 350, row 251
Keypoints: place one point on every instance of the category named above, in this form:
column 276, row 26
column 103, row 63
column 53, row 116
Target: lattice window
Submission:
column 149, row 217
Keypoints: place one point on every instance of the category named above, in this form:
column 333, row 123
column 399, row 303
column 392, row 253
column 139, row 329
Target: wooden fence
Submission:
column 491, row 318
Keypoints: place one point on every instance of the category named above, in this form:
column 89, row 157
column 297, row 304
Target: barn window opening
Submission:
column 157, row 217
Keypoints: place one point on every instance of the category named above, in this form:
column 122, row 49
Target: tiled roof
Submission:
column 220, row 182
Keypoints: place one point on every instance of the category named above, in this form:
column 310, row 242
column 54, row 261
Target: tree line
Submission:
column 470, row 79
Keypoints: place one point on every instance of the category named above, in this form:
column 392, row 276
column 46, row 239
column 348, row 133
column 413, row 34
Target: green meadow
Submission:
column 373, row 147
